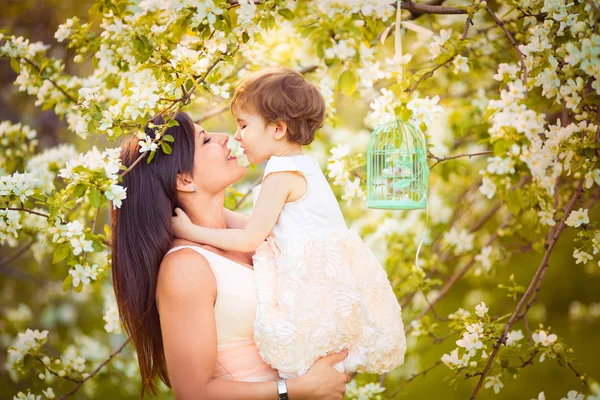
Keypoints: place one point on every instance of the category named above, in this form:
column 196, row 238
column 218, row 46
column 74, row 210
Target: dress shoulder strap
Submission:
column 281, row 164
column 198, row 249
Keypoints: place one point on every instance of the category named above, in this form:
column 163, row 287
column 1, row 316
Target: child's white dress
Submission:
column 320, row 289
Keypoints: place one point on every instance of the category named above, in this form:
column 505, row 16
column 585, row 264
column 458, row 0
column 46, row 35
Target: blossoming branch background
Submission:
column 513, row 136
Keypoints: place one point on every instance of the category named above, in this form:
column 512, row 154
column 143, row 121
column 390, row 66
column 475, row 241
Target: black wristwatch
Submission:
column 282, row 390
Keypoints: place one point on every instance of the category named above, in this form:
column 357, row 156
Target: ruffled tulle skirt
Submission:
column 324, row 294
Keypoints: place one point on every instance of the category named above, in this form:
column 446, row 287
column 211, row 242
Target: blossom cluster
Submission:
column 338, row 170
column 17, row 144
column 97, row 170
column 27, row 343
column 369, row 391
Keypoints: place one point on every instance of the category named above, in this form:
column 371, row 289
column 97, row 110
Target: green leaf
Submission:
column 95, row 197
column 15, row 65
column 168, row 138
column 166, row 148
column 67, row 283
column 79, row 288
column 347, row 82
column 286, row 13
column 151, row 156
column 489, row 113
column 173, row 122
column 196, row 84
column 97, row 245
column 79, row 190
column 501, row 147
column 320, row 51
column 513, row 203
column 107, row 230
column 61, row 253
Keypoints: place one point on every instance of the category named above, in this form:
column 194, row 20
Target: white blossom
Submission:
column 543, row 338
column 481, row 310
column 494, row 381
column 578, row 218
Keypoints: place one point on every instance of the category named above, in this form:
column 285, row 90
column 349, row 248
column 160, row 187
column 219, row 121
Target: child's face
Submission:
column 254, row 135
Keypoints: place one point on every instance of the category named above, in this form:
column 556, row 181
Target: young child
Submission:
column 319, row 287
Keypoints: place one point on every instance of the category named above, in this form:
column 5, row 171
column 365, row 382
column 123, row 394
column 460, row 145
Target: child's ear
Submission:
column 184, row 183
column 280, row 130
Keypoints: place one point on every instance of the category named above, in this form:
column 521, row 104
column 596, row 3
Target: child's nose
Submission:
column 237, row 136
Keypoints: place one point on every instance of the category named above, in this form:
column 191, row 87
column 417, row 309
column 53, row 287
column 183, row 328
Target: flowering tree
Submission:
column 508, row 92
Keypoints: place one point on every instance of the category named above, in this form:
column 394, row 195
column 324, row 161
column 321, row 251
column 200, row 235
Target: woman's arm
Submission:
column 275, row 191
column 185, row 297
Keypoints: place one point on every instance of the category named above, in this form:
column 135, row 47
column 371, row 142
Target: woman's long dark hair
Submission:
column 141, row 236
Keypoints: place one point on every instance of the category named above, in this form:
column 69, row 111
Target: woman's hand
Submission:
column 181, row 224
column 322, row 381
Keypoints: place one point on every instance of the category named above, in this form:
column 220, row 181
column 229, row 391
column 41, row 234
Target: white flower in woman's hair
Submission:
column 543, row 338
column 577, row 218
column 147, row 145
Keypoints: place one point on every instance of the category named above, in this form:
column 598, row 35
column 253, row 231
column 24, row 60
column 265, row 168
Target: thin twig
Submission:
column 429, row 74
column 441, row 159
column 514, row 43
column 10, row 258
column 56, row 85
column 134, row 164
column 28, row 211
column 466, row 30
column 412, row 377
column 254, row 184
column 98, row 368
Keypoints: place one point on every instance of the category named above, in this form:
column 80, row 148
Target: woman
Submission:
column 188, row 308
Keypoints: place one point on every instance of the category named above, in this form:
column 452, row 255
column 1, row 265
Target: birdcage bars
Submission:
column 397, row 169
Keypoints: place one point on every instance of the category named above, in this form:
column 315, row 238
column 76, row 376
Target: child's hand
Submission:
column 181, row 224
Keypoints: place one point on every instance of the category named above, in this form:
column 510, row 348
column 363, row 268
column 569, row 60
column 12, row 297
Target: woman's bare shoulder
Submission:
column 185, row 274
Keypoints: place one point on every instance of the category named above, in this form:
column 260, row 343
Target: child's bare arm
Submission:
column 235, row 220
column 274, row 193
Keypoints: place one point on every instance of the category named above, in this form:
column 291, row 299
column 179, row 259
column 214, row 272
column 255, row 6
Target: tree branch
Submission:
column 532, row 284
column 432, row 7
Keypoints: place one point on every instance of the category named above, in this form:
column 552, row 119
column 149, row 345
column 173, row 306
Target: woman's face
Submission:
column 214, row 167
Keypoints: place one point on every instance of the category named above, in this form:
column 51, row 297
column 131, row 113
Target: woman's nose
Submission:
column 223, row 138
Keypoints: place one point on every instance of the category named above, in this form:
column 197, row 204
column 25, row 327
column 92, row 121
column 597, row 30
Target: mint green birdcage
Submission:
column 397, row 170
